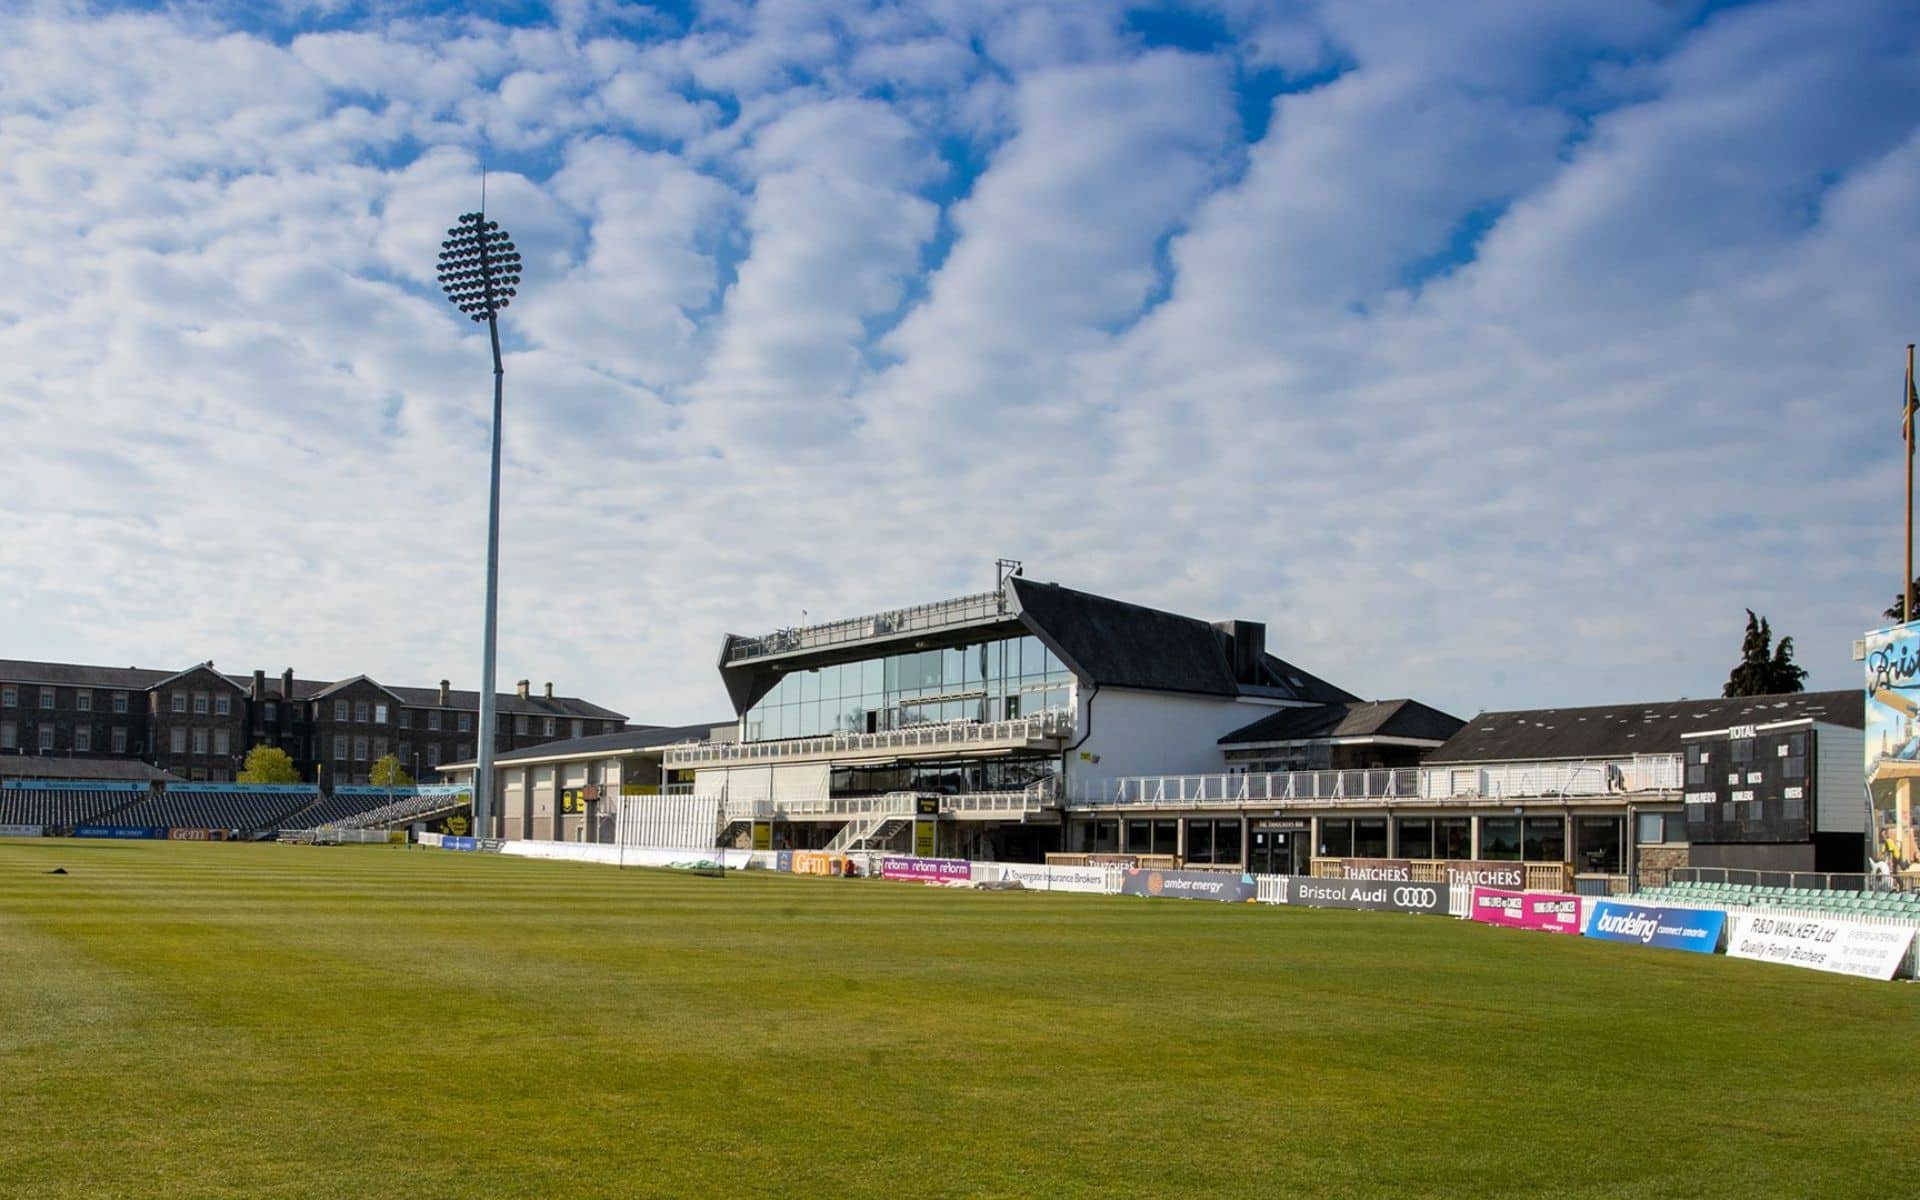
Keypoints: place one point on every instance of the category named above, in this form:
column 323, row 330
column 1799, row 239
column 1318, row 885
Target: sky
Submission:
column 1497, row 354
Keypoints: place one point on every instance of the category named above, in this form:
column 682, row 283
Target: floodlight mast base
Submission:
column 483, row 790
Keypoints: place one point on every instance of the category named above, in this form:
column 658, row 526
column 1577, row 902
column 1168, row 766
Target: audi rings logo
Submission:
column 1416, row 897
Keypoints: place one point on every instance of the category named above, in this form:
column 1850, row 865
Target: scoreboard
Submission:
column 1750, row 783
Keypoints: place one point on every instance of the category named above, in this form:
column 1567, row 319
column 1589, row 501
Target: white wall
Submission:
column 1157, row 733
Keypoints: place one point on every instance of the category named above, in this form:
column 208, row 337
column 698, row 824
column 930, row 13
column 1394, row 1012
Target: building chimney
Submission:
column 525, row 688
column 286, row 684
column 1246, row 645
column 549, row 689
column 446, row 690
column 259, row 692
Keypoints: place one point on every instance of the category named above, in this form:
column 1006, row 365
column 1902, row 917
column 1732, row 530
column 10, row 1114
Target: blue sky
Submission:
column 1498, row 354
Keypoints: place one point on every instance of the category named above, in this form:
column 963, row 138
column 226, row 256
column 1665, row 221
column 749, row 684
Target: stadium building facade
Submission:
column 199, row 723
column 1599, row 799
column 988, row 711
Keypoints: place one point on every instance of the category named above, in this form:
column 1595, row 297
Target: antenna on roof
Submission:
column 1005, row 568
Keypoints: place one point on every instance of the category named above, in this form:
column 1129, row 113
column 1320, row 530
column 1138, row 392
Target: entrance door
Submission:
column 1278, row 852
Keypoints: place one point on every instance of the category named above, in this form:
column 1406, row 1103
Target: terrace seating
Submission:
column 336, row 809
column 1898, row 905
column 203, row 807
column 32, row 802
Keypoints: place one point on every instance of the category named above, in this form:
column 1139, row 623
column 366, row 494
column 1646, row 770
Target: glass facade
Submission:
column 986, row 681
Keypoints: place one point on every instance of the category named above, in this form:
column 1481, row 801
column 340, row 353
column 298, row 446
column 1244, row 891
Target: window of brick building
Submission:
column 9, row 735
column 379, row 714
column 9, row 696
column 83, row 700
column 178, row 702
column 433, row 720
column 46, row 698
column 177, row 740
column 46, row 737
column 222, row 706
column 120, row 739
column 360, row 711
column 520, row 724
column 199, row 704
column 547, row 727
column 82, row 738
column 466, row 722
column 339, row 747
column 120, row 702
column 222, row 742
column 199, row 741
column 339, row 710
column 359, row 749
column 406, row 719
column 433, row 754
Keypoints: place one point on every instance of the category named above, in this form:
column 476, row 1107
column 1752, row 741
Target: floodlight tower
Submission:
column 480, row 270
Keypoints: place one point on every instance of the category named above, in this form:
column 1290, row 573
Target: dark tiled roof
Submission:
column 1111, row 642
column 17, row 670
column 1617, row 730
column 643, row 737
column 31, row 766
column 1369, row 718
column 140, row 679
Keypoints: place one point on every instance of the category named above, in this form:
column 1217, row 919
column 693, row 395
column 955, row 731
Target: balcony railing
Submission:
column 1279, row 787
column 1053, row 724
column 1035, row 799
column 942, row 614
column 1599, row 777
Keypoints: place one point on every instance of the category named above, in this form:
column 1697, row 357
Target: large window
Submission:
column 1662, row 827
column 1215, row 843
column 1153, row 837
column 1599, row 845
column 1545, row 839
column 1500, row 839
column 988, row 681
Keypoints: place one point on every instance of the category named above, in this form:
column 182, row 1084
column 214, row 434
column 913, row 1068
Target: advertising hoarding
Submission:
column 927, row 870
column 1188, row 885
column 1549, row 912
column 121, row 831
column 21, row 830
column 1893, row 748
column 1695, row 929
column 1838, row 947
column 1045, row 879
column 1363, row 894
column 1486, row 873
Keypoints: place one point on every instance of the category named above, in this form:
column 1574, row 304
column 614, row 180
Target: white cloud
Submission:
column 1509, row 364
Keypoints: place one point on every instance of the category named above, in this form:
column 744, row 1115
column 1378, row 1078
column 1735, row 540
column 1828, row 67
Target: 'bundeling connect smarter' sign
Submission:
column 1695, row 929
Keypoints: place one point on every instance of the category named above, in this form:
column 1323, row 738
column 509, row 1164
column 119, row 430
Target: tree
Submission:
column 269, row 764
column 1765, row 669
column 388, row 772
column 1893, row 612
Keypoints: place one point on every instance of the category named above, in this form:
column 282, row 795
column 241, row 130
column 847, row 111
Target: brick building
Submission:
column 199, row 723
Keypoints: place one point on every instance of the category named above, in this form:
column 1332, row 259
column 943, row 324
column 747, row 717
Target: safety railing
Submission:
column 1319, row 788
column 1054, row 724
column 1823, row 881
column 1600, row 777
column 961, row 610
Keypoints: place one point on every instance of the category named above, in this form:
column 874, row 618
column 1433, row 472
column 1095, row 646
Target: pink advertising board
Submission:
column 927, row 870
column 1549, row 911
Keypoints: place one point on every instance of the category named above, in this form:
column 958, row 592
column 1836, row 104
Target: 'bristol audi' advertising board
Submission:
column 1355, row 893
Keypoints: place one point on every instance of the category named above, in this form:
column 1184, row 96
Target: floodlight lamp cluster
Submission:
column 479, row 268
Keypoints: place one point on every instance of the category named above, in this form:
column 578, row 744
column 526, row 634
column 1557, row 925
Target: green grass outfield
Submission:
column 184, row 1019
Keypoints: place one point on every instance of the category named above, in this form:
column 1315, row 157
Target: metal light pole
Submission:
column 480, row 269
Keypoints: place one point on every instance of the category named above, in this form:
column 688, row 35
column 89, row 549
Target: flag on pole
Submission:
column 1909, row 404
